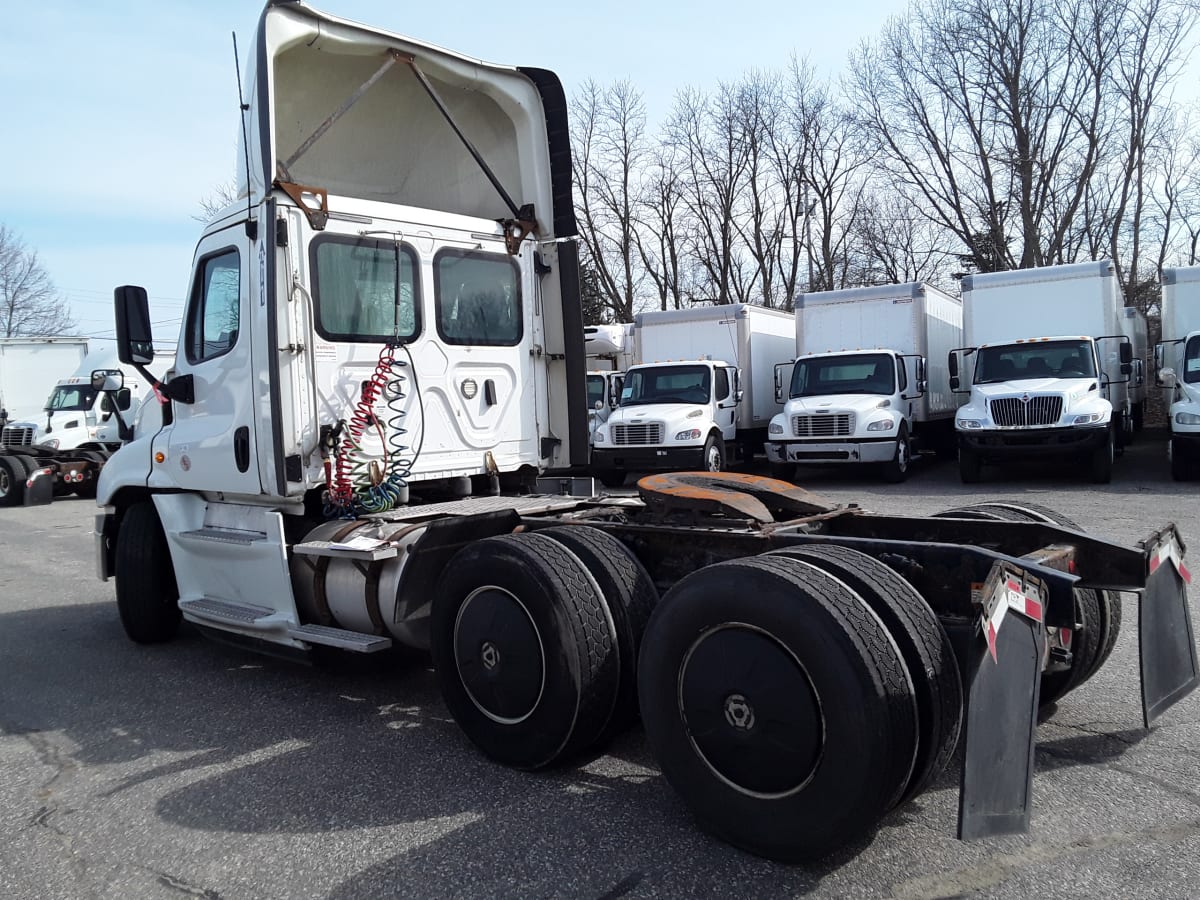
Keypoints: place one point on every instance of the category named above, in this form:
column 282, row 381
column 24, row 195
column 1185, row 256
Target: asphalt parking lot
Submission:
column 194, row 769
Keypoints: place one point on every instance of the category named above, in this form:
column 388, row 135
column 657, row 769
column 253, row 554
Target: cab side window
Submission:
column 722, row 387
column 214, row 316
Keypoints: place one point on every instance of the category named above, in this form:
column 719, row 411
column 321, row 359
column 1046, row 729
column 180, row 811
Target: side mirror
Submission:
column 1126, row 368
column 108, row 380
column 1126, row 352
column 954, row 382
column 922, row 386
column 952, row 362
column 599, row 405
column 1169, row 379
column 135, row 342
column 124, row 399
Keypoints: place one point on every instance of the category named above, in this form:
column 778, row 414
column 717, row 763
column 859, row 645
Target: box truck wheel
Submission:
column 147, row 595
column 12, row 481
column 784, row 471
column 525, row 649
column 896, row 470
column 631, row 597
column 611, row 477
column 714, row 454
column 1100, row 464
column 1181, row 465
column 777, row 705
column 922, row 641
column 970, row 466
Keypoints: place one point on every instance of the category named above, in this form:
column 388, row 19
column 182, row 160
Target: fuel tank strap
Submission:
column 729, row 493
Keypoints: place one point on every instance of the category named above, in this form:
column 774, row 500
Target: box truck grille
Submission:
column 829, row 425
column 648, row 433
column 1009, row 411
column 16, row 436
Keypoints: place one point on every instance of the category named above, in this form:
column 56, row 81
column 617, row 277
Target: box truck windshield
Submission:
column 1045, row 359
column 1191, row 360
column 71, row 397
column 667, row 384
column 870, row 373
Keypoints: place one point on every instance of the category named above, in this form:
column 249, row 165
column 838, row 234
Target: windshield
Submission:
column 869, row 373
column 595, row 390
column 75, row 396
column 1191, row 360
column 667, row 384
column 1044, row 359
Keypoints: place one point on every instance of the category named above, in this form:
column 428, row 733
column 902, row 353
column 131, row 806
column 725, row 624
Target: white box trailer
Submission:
column 31, row 366
column 1046, row 366
column 1178, row 367
column 870, row 381
column 705, row 381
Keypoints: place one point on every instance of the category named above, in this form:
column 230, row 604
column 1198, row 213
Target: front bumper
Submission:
column 864, row 450
column 1017, row 442
column 648, row 459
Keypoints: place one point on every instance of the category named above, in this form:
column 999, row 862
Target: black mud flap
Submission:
column 1167, row 646
column 39, row 487
column 1004, row 677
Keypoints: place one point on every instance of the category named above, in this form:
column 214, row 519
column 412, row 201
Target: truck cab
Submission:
column 847, row 407
column 1039, row 397
column 603, row 396
column 1182, row 387
column 671, row 415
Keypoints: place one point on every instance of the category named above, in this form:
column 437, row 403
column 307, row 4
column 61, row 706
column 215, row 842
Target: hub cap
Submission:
column 750, row 710
column 499, row 655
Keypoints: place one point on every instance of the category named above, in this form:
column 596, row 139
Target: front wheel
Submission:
column 1180, row 464
column 1101, row 463
column 12, row 481
column 897, row 469
column 714, row 454
column 147, row 595
column 612, row 478
column 970, row 466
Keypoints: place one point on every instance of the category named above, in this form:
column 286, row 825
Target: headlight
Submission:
column 775, row 428
column 969, row 423
column 1182, row 418
column 690, row 435
column 598, row 436
column 882, row 425
column 1088, row 419
column 52, row 442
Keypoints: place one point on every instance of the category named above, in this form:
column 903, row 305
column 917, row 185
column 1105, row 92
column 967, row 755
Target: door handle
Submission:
column 241, row 448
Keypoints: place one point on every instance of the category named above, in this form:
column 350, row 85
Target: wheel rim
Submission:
column 902, row 454
column 5, row 482
column 499, row 655
column 750, row 711
column 714, row 458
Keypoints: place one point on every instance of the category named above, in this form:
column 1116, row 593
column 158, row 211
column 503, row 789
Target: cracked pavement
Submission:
column 197, row 770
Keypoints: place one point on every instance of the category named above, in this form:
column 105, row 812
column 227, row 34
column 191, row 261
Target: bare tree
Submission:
column 660, row 242
column 29, row 304
column 215, row 202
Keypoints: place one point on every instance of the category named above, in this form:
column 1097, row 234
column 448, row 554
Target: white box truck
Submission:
column 30, row 367
column 609, row 351
column 870, row 382
column 1046, row 368
column 1178, row 364
column 704, row 384
column 1133, row 326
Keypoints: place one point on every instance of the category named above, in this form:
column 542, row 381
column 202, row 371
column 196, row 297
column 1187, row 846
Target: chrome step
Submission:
column 328, row 548
column 223, row 612
column 340, row 638
column 225, row 535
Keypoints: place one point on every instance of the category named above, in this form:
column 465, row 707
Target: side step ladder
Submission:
column 259, row 618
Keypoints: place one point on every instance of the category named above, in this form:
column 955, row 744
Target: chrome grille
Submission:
column 16, row 436
column 826, row 425
column 643, row 433
column 1010, row 411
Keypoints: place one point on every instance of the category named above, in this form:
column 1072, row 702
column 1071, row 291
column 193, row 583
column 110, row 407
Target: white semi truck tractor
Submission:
column 870, row 383
column 1178, row 366
column 382, row 348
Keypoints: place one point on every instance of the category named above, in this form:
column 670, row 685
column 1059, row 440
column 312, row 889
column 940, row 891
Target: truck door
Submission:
column 211, row 444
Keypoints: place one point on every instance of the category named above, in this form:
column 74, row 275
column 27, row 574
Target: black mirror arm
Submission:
column 181, row 388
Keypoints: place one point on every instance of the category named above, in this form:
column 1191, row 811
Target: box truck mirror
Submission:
column 954, row 382
column 1126, row 356
column 135, row 343
column 1126, row 368
column 952, row 361
column 1168, row 379
column 107, row 380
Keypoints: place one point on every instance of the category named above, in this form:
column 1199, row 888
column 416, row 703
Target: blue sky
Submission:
column 121, row 116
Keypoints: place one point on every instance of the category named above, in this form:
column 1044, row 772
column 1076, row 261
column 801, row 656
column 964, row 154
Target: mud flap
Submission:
column 39, row 487
column 1004, row 678
column 1166, row 644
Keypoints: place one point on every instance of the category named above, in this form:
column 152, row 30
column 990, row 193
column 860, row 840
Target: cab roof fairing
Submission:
column 392, row 144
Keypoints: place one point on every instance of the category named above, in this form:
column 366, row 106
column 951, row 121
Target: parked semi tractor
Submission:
column 1178, row 366
column 1133, row 326
column 1046, row 368
column 870, row 383
column 703, row 387
column 382, row 348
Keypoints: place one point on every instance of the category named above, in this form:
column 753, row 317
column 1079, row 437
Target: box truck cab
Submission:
column 1177, row 362
column 879, row 391
column 704, row 386
column 603, row 396
column 1036, row 389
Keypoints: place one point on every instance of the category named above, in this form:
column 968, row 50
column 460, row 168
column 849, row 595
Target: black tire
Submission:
column 896, row 470
column 777, row 705
column 714, row 454
column 1100, row 463
column 1139, row 416
column 631, row 597
column 784, row 471
column 525, row 649
column 1180, row 464
column 147, row 595
column 12, row 481
column 922, row 641
column 612, row 478
column 970, row 466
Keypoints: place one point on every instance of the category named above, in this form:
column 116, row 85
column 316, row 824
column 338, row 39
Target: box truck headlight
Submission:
column 775, row 428
column 691, row 434
column 598, row 436
column 969, row 423
column 1088, row 419
column 52, row 442
column 1182, row 418
column 882, row 425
